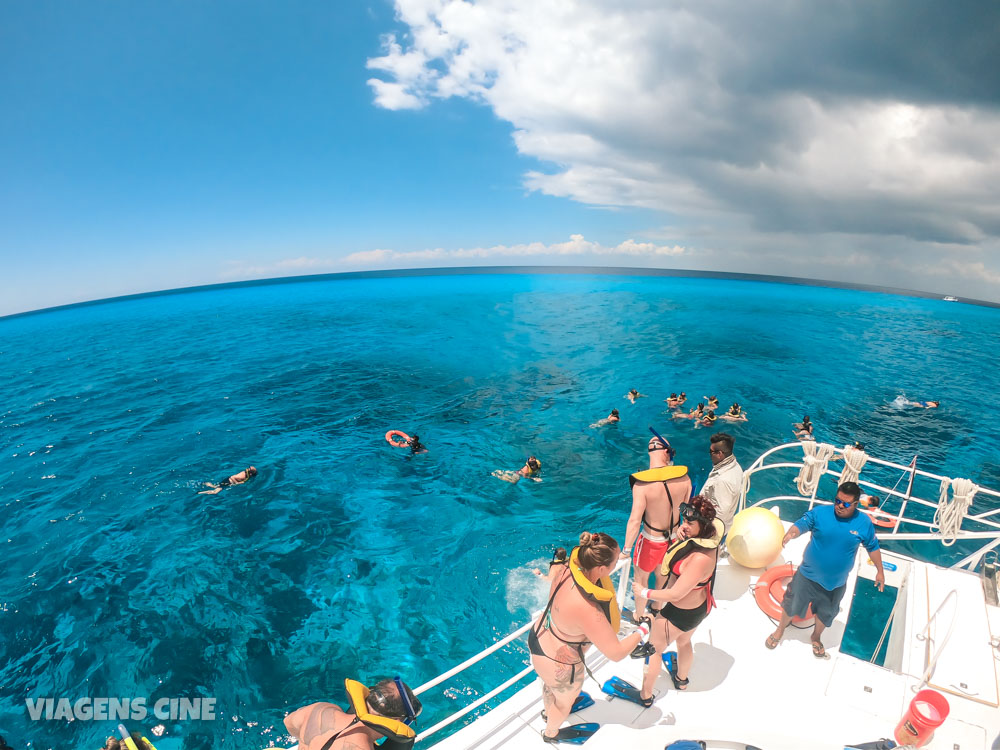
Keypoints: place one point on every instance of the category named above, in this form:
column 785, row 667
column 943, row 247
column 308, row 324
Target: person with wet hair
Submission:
column 384, row 710
column 633, row 394
column 556, row 564
column 582, row 611
column 244, row 476
column 415, row 445
column 531, row 467
column 612, row 418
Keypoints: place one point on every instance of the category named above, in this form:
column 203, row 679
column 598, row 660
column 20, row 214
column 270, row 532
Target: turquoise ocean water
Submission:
column 348, row 558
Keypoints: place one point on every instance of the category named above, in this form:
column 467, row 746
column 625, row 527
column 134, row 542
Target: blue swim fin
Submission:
column 583, row 700
column 574, row 734
column 619, row 688
column 670, row 660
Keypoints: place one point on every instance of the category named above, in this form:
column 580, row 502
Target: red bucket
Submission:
column 927, row 712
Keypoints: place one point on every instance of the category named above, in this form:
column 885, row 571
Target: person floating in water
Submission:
column 675, row 401
column 555, row 566
column 713, row 402
column 706, row 421
column 633, row 394
column 415, row 445
column 904, row 401
column 803, row 430
column 735, row 414
column 530, row 468
column 612, row 418
column 697, row 413
column 244, row 476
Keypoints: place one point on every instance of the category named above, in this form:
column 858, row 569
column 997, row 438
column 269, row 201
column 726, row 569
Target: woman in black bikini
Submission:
column 582, row 610
column 689, row 565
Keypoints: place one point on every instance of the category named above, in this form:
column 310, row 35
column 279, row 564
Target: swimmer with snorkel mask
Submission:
column 531, row 467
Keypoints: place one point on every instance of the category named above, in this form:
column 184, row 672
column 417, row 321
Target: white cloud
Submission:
column 575, row 246
column 739, row 123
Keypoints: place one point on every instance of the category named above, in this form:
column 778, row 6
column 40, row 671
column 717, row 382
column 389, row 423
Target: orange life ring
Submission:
column 769, row 591
column 882, row 519
column 400, row 434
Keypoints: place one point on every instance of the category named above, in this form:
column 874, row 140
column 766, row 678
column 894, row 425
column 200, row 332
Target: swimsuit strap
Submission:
column 547, row 617
column 329, row 742
column 667, row 531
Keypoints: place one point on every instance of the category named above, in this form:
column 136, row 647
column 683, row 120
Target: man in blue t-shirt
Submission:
column 820, row 582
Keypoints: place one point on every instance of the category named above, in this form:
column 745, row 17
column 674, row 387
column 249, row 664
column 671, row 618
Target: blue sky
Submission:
column 154, row 146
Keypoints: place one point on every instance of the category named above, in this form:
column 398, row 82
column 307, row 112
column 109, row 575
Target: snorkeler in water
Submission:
column 903, row 401
column 803, row 430
column 415, row 445
column 713, row 402
column 706, row 421
column 696, row 413
column 612, row 418
column 735, row 414
column 676, row 401
column 531, row 467
column 555, row 565
column 244, row 476
column 633, row 394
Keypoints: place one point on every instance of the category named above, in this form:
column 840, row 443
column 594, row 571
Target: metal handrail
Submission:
column 623, row 565
column 924, row 632
column 969, row 562
column 758, row 466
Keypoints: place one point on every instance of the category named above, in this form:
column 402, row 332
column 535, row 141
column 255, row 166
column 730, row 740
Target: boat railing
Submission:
column 623, row 567
column 925, row 634
column 990, row 518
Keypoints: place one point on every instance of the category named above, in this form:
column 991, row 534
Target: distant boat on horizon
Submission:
column 950, row 299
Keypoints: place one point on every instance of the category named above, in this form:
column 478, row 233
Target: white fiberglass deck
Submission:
column 743, row 694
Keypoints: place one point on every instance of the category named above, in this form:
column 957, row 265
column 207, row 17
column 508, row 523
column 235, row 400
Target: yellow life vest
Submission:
column 684, row 547
column 662, row 474
column 395, row 729
column 601, row 593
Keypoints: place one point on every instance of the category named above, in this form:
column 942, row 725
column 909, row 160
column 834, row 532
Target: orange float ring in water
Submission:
column 397, row 434
column 769, row 591
column 881, row 519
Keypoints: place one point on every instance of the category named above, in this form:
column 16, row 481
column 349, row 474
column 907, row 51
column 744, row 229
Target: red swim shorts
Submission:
column 648, row 555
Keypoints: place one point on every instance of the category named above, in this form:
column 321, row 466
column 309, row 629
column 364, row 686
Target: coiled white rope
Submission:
column 950, row 513
column 854, row 462
column 814, row 462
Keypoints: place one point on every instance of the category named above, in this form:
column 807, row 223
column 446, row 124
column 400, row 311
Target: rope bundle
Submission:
column 814, row 462
column 950, row 513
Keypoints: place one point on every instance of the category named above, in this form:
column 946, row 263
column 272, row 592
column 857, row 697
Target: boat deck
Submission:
column 741, row 693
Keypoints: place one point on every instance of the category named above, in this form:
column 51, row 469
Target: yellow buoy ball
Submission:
column 754, row 539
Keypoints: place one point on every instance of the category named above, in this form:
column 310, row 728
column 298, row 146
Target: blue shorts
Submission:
column 803, row 593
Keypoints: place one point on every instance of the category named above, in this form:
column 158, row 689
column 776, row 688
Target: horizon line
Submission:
column 522, row 270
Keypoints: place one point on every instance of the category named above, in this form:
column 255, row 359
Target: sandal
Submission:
column 818, row 651
column 771, row 642
column 679, row 684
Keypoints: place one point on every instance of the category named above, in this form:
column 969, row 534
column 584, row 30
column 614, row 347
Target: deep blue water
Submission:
column 348, row 558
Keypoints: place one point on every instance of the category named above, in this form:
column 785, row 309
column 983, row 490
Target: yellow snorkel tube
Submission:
column 127, row 740
column 395, row 729
column 602, row 593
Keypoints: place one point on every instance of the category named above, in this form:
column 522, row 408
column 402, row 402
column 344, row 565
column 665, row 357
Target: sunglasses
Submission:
column 689, row 513
column 842, row 504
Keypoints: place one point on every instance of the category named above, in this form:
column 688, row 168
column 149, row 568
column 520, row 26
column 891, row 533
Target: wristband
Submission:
column 645, row 593
column 643, row 630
